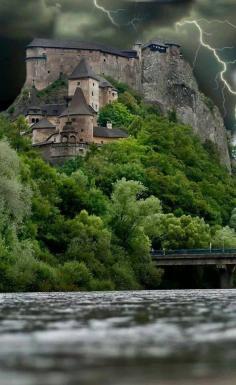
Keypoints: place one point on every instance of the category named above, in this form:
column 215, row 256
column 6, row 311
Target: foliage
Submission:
column 53, row 88
column 91, row 224
column 224, row 238
column 115, row 113
column 232, row 221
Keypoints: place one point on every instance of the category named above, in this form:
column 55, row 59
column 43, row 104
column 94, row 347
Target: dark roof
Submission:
column 43, row 123
column 34, row 100
column 83, row 71
column 131, row 53
column 53, row 109
column 34, row 103
column 34, row 110
column 79, row 45
column 105, row 83
column 78, row 105
column 155, row 42
column 104, row 132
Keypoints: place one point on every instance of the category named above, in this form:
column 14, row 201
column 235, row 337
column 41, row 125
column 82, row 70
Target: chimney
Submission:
column 109, row 125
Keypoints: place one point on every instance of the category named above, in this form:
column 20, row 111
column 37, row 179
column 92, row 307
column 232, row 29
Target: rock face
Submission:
column 168, row 81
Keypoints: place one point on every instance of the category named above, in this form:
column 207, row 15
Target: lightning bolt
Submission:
column 111, row 13
column 108, row 12
column 220, row 61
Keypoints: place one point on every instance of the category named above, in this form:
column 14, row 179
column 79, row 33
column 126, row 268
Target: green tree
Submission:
column 117, row 114
column 224, row 238
column 184, row 232
column 232, row 222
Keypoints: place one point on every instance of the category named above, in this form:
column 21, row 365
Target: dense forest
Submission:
column 91, row 223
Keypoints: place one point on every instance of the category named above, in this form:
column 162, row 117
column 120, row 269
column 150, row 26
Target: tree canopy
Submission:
column 91, row 223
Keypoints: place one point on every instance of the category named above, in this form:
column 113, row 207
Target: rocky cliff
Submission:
column 168, row 80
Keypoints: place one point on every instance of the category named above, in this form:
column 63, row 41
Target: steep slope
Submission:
column 168, row 81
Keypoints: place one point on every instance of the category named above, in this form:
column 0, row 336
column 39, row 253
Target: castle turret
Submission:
column 34, row 111
column 138, row 48
column 84, row 78
column 108, row 94
column 42, row 130
column 78, row 119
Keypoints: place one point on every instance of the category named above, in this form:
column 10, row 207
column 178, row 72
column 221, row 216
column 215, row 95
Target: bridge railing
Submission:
column 156, row 253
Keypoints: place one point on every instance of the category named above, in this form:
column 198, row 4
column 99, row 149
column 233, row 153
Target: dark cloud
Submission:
column 21, row 20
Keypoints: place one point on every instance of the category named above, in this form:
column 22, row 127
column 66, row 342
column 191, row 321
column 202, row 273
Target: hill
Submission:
column 90, row 224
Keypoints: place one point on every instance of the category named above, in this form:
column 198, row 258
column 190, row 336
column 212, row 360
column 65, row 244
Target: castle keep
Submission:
column 157, row 70
column 47, row 59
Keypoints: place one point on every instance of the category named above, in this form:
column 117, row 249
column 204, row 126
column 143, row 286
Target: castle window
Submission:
column 92, row 93
column 113, row 94
column 37, row 120
column 82, row 130
column 104, row 60
column 93, row 84
column 73, row 139
column 49, row 72
column 81, row 140
column 73, row 119
column 78, row 83
column 33, row 120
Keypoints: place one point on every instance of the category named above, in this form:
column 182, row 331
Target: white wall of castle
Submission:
column 90, row 88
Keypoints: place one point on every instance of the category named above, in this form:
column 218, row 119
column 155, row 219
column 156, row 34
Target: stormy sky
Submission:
column 120, row 23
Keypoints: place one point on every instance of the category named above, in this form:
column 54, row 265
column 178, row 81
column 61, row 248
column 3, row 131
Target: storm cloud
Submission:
column 21, row 20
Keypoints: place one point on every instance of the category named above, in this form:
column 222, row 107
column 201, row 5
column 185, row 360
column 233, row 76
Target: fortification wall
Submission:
column 44, row 65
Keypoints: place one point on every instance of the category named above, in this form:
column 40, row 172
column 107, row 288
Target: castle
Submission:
column 47, row 59
column 156, row 69
column 62, row 131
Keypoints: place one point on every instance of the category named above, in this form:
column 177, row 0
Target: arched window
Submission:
column 33, row 120
column 72, row 139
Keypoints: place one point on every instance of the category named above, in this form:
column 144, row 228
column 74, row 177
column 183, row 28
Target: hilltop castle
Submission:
column 62, row 131
column 157, row 70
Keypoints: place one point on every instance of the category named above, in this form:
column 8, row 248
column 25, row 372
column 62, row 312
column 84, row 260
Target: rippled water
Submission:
column 126, row 338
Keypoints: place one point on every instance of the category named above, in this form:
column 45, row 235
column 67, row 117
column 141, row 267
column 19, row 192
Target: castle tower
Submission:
column 34, row 111
column 108, row 93
column 138, row 48
column 77, row 121
column 84, row 78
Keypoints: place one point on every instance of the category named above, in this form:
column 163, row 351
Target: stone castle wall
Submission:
column 44, row 65
column 81, row 125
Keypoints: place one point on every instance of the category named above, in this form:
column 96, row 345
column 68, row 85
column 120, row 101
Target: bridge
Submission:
column 223, row 259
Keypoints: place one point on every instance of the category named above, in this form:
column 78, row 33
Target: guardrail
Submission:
column 156, row 253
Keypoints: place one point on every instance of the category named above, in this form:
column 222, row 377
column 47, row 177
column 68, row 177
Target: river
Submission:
column 124, row 338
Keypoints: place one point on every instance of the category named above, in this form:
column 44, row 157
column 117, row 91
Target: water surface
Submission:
column 125, row 338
